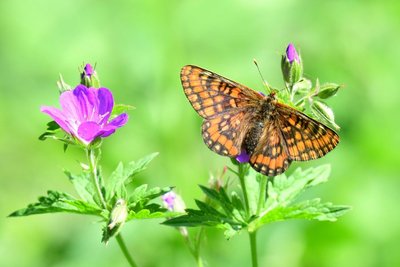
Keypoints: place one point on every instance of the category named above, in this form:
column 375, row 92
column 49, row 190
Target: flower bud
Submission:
column 89, row 77
column 118, row 214
column 291, row 64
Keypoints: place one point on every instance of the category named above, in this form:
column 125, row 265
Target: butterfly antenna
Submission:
column 265, row 83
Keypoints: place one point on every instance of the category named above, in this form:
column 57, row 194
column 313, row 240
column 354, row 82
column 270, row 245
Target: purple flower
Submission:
column 291, row 53
column 173, row 202
column 243, row 157
column 85, row 112
column 169, row 200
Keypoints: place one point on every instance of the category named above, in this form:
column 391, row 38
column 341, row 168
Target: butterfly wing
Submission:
column 224, row 133
column 270, row 156
column 225, row 105
column 212, row 95
column 305, row 137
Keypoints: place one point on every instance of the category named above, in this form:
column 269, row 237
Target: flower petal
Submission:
column 69, row 105
column 57, row 116
column 117, row 122
column 87, row 103
column 243, row 157
column 105, row 103
column 88, row 131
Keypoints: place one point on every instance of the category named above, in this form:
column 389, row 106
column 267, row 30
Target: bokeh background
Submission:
column 139, row 48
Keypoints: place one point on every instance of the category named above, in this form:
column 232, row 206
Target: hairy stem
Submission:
column 124, row 249
column 253, row 247
column 92, row 158
column 242, row 173
column 91, row 154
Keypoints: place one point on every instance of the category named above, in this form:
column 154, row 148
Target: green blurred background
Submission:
column 139, row 48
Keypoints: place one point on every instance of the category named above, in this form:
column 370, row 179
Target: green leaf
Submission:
column 303, row 86
column 323, row 112
column 83, row 185
column 120, row 108
column 122, row 176
column 141, row 196
column 146, row 214
column 58, row 202
column 283, row 191
column 253, row 190
column 328, row 90
column 194, row 218
column 309, row 210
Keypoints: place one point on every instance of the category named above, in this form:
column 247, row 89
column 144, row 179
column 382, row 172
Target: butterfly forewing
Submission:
column 305, row 138
column 211, row 94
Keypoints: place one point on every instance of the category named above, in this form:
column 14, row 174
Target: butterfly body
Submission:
column 240, row 120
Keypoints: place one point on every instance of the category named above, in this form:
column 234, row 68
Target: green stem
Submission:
column 253, row 246
column 124, row 249
column 194, row 246
column 261, row 198
column 252, row 234
column 242, row 173
column 93, row 168
column 199, row 235
column 91, row 154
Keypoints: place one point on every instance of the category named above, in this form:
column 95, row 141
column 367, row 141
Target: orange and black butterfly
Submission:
column 238, row 119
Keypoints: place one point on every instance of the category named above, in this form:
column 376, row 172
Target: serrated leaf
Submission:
column 146, row 214
column 284, row 190
column 123, row 175
column 309, row 210
column 58, row 202
column 207, row 209
column 141, row 196
column 194, row 218
column 83, row 185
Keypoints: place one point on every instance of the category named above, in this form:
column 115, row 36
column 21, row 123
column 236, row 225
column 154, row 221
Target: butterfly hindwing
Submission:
column 270, row 156
column 305, row 138
column 211, row 94
column 224, row 134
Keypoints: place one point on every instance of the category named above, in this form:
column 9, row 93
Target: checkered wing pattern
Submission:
column 224, row 134
column 212, row 95
column 225, row 105
column 305, row 138
column 270, row 156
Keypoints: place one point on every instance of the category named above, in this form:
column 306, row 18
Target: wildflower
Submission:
column 85, row 113
column 173, row 202
column 243, row 157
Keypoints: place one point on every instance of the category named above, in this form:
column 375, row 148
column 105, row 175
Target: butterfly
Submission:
column 239, row 120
